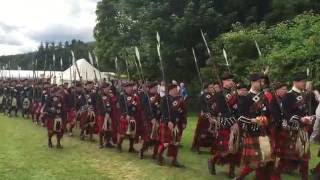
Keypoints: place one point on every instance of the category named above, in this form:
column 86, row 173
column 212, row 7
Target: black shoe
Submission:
column 82, row 137
column 154, row 156
column 177, row 165
column 211, row 167
column 141, row 154
column 160, row 161
column 132, row 150
column 232, row 175
column 50, row 145
column 109, row 145
column 59, row 146
column 119, row 149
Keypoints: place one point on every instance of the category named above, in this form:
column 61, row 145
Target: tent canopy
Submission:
column 87, row 71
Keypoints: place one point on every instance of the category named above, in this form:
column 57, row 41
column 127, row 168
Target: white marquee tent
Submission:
column 87, row 72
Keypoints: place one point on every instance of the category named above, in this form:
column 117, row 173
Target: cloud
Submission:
column 24, row 24
column 62, row 32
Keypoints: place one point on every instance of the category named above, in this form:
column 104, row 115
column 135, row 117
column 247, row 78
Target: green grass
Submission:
column 24, row 155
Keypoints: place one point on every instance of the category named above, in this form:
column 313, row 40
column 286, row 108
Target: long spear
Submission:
column 35, row 69
column 44, row 67
column 116, row 66
column 54, row 65
column 75, row 64
column 214, row 68
column 127, row 67
column 139, row 73
column 162, row 71
column 260, row 55
column 61, row 66
column 226, row 58
column 94, row 71
column 197, row 67
column 139, row 61
column 98, row 65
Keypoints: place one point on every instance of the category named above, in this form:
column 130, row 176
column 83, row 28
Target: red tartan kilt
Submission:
column 38, row 110
column 71, row 118
column 123, row 125
column 147, row 131
column 202, row 125
column 251, row 153
column 34, row 108
column 140, row 126
column 286, row 147
column 165, row 133
column 99, row 123
column 221, row 143
column 50, row 124
column 83, row 119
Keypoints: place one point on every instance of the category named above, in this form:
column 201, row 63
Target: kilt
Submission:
column 123, row 125
column 71, row 118
column 287, row 146
column 34, row 108
column 147, row 132
column 99, row 123
column 202, row 130
column 83, row 120
column 165, row 133
column 221, row 142
column 139, row 124
column 251, row 153
column 50, row 125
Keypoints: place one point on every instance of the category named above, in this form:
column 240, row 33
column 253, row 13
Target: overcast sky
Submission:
column 25, row 23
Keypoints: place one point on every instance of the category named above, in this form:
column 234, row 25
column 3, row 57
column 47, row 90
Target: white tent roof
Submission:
column 86, row 71
column 85, row 68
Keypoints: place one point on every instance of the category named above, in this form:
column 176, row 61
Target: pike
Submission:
column 116, row 65
column 75, row 64
column 162, row 71
column 197, row 67
column 35, row 67
column 260, row 56
column 139, row 73
column 226, row 58
column 6, row 67
column 9, row 69
column 54, row 65
column 61, row 66
column 44, row 67
column 258, row 48
column 126, row 61
column 19, row 69
column 214, row 68
column 139, row 61
column 98, row 65
column 142, row 76
column 94, row 71
column 309, row 102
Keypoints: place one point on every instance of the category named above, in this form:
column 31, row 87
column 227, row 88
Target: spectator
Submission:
column 315, row 134
column 176, row 83
column 162, row 89
column 183, row 91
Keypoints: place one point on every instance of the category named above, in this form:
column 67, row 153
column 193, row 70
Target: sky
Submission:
column 26, row 23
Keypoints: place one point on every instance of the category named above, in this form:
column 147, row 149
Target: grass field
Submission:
column 24, row 155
